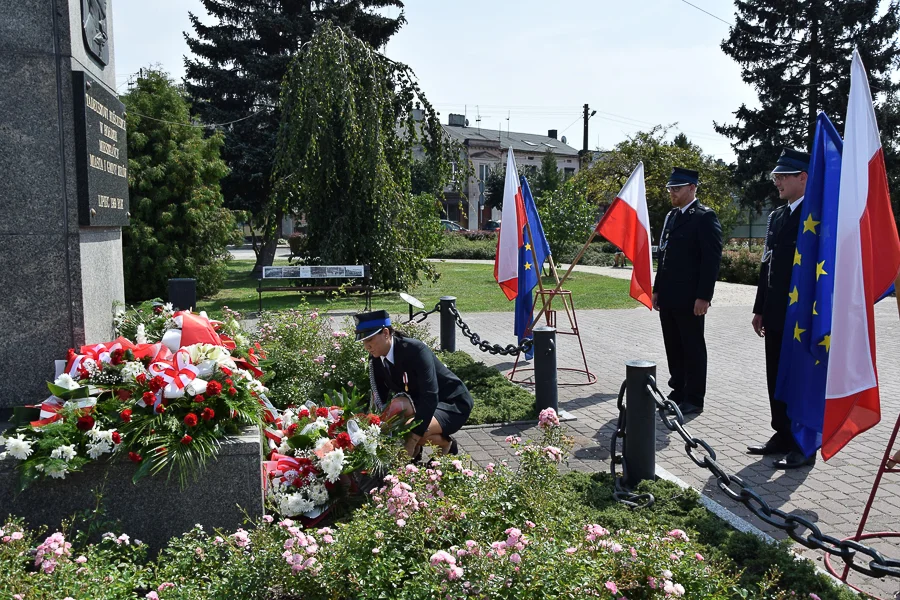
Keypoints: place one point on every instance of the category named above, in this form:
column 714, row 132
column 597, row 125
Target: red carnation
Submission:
column 298, row 482
column 374, row 420
column 141, row 379
column 321, row 412
column 123, row 395
column 190, row 420
column 232, row 391
column 117, row 356
column 116, row 437
column 303, row 413
column 126, row 415
column 157, row 383
column 343, row 440
column 292, row 429
column 199, row 398
column 83, row 373
column 135, row 457
column 208, row 414
column 213, row 388
column 187, row 440
column 160, row 408
column 148, row 397
column 229, row 381
column 85, row 423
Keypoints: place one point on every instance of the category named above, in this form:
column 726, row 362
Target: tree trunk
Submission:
column 266, row 254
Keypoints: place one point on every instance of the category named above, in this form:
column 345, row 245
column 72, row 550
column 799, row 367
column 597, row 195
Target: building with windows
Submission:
column 486, row 149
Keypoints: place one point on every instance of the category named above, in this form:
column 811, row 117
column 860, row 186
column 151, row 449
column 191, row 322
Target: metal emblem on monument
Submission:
column 93, row 24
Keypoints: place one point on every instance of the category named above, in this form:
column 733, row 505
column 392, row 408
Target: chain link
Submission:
column 622, row 493
column 421, row 315
column 735, row 488
column 484, row 345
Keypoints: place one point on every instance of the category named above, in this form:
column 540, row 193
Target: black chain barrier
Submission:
column 421, row 315
column 486, row 346
column 703, row 455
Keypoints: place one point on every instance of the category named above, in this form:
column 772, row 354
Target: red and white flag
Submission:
column 867, row 262
column 506, row 261
column 627, row 225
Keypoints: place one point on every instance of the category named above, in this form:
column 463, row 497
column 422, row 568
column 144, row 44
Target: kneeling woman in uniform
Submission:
column 408, row 378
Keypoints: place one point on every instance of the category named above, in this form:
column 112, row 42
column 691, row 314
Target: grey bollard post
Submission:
column 545, row 382
column 183, row 293
column 448, row 324
column 640, row 422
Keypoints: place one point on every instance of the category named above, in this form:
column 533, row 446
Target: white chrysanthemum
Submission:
column 321, row 442
column 66, row 453
column 140, row 335
column 98, row 449
column 318, row 493
column 241, row 340
column 333, row 463
column 296, row 504
column 18, row 447
column 373, row 436
column 131, row 370
column 169, row 307
column 101, row 435
column 171, row 324
column 284, row 448
column 57, row 470
column 320, row 423
column 65, row 381
column 288, row 418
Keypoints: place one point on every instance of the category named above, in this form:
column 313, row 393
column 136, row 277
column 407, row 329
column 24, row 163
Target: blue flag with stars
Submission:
column 803, row 366
column 532, row 255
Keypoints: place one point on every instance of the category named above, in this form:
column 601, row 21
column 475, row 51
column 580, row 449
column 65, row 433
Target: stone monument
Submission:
column 63, row 187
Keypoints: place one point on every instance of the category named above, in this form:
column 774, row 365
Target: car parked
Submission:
column 452, row 225
column 491, row 226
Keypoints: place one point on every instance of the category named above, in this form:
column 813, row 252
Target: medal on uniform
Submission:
column 405, row 383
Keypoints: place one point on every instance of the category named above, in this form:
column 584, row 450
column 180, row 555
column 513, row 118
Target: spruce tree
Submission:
column 236, row 77
column 796, row 54
column 179, row 225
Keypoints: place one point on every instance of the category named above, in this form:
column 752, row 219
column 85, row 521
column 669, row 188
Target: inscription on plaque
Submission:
column 101, row 154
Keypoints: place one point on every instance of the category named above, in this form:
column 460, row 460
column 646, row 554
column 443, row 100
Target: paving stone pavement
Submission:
column 831, row 494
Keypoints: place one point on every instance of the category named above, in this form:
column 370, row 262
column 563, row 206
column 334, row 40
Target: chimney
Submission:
column 455, row 120
column 551, row 133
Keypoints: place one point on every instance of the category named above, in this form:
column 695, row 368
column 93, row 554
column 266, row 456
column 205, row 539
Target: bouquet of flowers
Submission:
column 164, row 404
column 312, row 447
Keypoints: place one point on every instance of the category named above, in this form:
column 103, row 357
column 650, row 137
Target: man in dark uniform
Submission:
column 690, row 250
column 770, row 308
column 407, row 378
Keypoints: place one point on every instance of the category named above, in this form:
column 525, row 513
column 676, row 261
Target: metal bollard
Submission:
column 183, row 293
column 640, row 422
column 545, row 388
column 448, row 324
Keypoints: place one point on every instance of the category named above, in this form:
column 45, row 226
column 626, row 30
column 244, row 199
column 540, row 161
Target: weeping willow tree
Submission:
column 345, row 149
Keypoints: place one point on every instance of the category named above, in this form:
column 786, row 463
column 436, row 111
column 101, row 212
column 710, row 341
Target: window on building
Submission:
column 569, row 172
column 483, row 172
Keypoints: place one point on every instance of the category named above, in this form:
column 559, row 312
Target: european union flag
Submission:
column 532, row 255
column 803, row 367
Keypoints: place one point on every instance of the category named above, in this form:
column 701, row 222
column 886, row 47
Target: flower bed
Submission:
column 450, row 529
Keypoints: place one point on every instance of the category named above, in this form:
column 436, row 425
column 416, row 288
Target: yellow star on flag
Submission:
column 820, row 269
column 798, row 331
column 796, row 257
column 814, row 309
column 826, row 341
column 810, row 225
column 528, row 246
column 794, row 296
column 527, row 266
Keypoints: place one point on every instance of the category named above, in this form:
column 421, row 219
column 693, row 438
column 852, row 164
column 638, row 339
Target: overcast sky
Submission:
column 638, row 63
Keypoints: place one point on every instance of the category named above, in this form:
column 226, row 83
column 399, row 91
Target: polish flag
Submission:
column 512, row 221
column 627, row 225
column 867, row 262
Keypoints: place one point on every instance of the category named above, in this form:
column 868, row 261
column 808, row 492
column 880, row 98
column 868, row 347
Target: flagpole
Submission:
column 536, row 266
column 563, row 280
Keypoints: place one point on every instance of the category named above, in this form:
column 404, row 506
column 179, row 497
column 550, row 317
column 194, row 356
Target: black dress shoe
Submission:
column 690, row 409
column 773, row 446
column 794, row 460
column 417, row 458
column 454, row 447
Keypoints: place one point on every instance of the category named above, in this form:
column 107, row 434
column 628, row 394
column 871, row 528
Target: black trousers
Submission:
column 685, row 353
column 780, row 421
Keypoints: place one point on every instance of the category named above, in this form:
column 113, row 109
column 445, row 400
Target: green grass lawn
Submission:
column 472, row 284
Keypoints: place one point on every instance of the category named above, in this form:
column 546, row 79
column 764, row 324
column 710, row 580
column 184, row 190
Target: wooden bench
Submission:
column 325, row 273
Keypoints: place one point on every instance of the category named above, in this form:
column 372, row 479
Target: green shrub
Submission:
column 740, row 265
column 496, row 399
column 459, row 247
column 297, row 243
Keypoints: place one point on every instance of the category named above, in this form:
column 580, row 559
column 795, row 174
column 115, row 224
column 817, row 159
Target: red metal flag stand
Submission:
column 860, row 532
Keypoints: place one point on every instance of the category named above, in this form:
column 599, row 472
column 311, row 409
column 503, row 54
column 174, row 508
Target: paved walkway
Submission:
column 831, row 494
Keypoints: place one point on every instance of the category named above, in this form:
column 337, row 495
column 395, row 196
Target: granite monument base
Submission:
column 154, row 510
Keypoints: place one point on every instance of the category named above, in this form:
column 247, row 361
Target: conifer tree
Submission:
column 236, row 77
column 796, row 54
column 179, row 225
